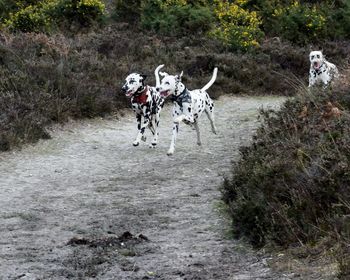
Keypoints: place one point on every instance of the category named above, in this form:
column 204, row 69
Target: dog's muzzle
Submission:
column 316, row 65
column 164, row 93
column 127, row 92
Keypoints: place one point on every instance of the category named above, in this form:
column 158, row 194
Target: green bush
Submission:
column 84, row 12
column 129, row 11
column 6, row 6
column 338, row 19
column 175, row 19
column 303, row 22
column 299, row 23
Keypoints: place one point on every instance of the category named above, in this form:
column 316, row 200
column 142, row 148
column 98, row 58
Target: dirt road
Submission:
column 87, row 204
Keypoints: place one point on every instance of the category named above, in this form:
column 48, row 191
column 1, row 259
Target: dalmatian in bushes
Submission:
column 147, row 104
column 188, row 105
column 321, row 70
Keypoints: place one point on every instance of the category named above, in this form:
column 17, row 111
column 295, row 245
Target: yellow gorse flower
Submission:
column 237, row 26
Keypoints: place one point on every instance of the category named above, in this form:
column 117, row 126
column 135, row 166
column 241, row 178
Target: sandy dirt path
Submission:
column 66, row 202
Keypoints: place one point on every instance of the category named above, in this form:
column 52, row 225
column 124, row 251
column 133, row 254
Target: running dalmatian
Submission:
column 146, row 103
column 321, row 70
column 188, row 105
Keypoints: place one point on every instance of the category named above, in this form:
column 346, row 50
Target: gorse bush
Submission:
column 30, row 19
column 238, row 28
column 43, row 16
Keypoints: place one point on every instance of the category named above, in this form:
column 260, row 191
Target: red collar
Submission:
column 141, row 98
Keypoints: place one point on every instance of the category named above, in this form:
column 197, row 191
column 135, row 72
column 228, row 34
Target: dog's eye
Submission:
column 167, row 83
column 312, row 57
column 318, row 56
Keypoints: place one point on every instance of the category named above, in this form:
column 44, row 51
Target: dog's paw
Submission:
column 170, row 152
column 135, row 143
column 178, row 120
column 199, row 143
column 153, row 145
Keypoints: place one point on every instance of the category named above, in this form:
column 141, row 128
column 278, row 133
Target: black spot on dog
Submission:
column 189, row 110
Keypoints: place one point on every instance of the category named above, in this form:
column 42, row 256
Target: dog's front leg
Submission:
column 312, row 79
column 173, row 139
column 155, row 132
column 186, row 114
column 142, row 127
column 137, row 140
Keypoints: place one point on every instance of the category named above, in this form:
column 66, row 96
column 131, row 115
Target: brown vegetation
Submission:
column 49, row 79
column 291, row 186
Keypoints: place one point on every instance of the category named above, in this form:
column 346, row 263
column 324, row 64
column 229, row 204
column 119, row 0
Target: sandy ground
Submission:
column 87, row 204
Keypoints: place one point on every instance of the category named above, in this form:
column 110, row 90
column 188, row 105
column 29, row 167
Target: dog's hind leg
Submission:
column 209, row 110
column 195, row 124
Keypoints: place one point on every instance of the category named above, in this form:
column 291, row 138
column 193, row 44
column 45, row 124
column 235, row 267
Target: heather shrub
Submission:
column 291, row 184
column 50, row 79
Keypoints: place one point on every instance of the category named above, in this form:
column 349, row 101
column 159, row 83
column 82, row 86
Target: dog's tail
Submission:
column 212, row 80
column 156, row 73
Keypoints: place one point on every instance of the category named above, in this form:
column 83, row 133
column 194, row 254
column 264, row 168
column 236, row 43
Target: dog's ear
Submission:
column 144, row 77
column 163, row 74
column 178, row 77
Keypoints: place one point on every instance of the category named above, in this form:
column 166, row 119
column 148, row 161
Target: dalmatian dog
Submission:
column 321, row 70
column 188, row 105
column 147, row 104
